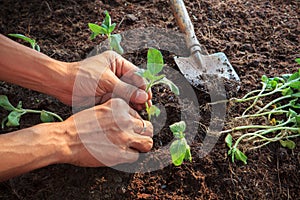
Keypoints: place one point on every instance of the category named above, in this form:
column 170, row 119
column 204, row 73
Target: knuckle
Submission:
column 148, row 144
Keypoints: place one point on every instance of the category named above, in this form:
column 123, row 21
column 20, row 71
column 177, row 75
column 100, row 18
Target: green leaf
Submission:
column 112, row 28
column 147, row 75
column 228, row 140
column 240, row 156
column 4, row 120
column 188, row 155
column 4, row 103
column 288, row 144
column 107, row 19
column 178, row 127
column 178, row 135
column 272, row 84
column 293, row 76
column 265, row 79
column 153, row 110
column 115, row 43
column 178, row 151
column 229, row 152
column 46, row 117
column 155, row 61
column 170, row 84
column 297, row 118
column 292, row 113
column 296, row 94
column 287, row 91
column 37, row 47
column 295, row 85
column 14, row 118
column 23, row 37
column 96, row 30
column 297, row 60
column 158, row 78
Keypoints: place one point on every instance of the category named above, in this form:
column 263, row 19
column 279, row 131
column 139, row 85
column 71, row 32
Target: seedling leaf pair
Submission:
column 235, row 152
column 107, row 28
column 179, row 148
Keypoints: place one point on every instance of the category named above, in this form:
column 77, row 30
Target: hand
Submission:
column 107, row 135
column 98, row 78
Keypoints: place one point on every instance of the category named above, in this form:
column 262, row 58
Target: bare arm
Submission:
column 92, row 138
column 28, row 149
column 28, row 68
column 76, row 82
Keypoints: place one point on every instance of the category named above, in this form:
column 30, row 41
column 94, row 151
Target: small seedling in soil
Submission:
column 179, row 149
column 155, row 64
column 13, row 118
column 277, row 105
column 32, row 42
column 107, row 28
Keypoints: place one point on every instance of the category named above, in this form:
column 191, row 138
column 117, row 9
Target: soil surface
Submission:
column 259, row 37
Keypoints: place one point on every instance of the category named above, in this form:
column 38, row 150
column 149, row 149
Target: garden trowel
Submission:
column 199, row 67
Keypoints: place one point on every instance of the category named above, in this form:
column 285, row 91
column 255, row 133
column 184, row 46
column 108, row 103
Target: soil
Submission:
column 259, row 37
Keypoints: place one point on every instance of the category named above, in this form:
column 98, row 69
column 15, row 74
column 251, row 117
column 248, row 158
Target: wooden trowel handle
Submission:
column 185, row 25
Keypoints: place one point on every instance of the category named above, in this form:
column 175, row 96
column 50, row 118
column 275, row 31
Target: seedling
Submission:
column 32, row 42
column 155, row 64
column 281, row 113
column 107, row 28
column 13, row 118
column 179, row 149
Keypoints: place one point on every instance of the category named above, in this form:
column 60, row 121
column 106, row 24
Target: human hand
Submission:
column 107, row 135
column 98, row 78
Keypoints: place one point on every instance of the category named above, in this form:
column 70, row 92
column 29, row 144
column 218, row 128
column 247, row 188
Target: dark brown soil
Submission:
column 259, row 37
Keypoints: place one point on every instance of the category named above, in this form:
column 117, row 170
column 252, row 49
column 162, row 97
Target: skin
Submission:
column 101, row 135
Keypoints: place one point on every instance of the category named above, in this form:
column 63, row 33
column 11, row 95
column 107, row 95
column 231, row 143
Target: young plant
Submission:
column 107, row 28
column 13, row 118
column 281, row 112
column 179, row 149
column 155, row 64
column 32, row 42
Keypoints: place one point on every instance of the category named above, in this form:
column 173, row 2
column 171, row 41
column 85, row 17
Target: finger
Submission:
column 126, row 71
column 132, row 78
column 129, row 92
column 129, row 155
column 142, row 127
column 141, row 143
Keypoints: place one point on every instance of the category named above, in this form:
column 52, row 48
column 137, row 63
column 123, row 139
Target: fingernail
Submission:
column 141, row 96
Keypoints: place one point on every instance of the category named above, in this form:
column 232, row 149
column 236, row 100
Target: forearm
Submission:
column 28, row 68
column 32, row 148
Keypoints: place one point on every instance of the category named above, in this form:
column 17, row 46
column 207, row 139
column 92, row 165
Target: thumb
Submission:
column 129, row 92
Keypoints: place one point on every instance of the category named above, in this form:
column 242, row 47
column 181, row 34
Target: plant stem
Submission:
column 277, row 89
column 264, row 113
column 39, row 112
column 256, row 99
column 273, row 102
column 263, row 133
